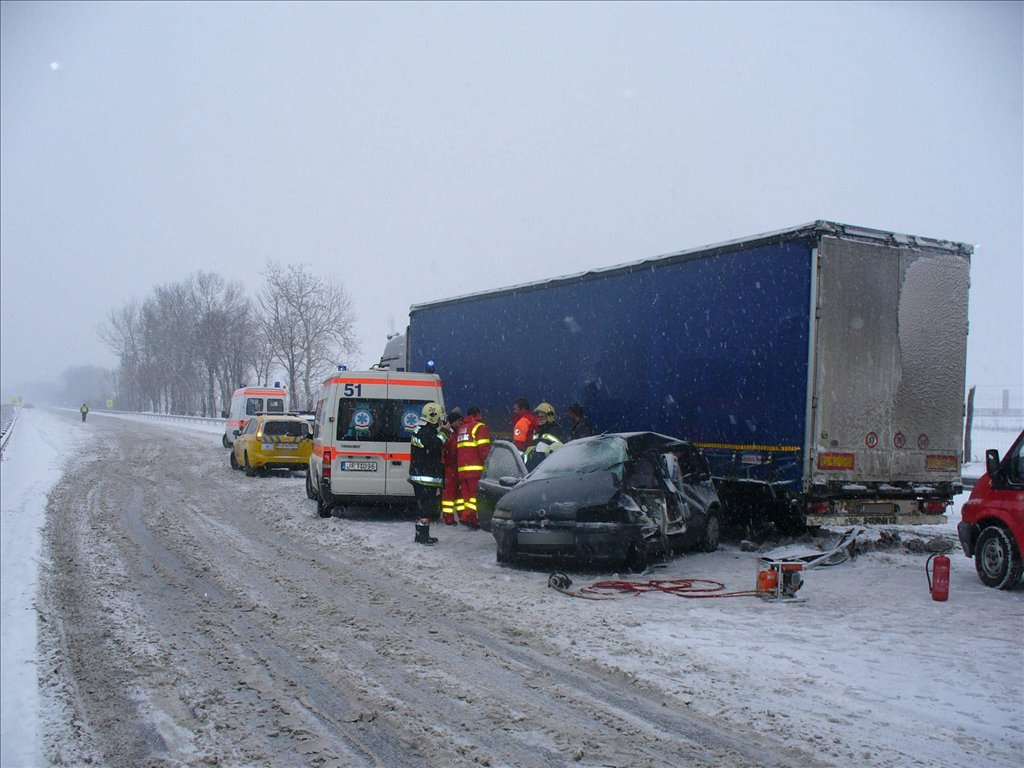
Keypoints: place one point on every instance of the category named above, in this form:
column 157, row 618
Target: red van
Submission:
column 992, row 525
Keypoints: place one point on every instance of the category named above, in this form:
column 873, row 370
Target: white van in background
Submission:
column 246, row 402
column 361, row 437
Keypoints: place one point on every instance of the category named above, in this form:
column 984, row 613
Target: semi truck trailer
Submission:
column 819, row 368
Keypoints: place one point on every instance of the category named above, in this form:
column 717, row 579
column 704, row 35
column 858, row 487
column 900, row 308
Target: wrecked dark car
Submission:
column 613, row 499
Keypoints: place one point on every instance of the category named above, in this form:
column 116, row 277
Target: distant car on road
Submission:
column 272, row 441
column 614, row 499
column 992, row 526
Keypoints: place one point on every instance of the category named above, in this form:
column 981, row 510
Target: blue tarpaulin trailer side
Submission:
column 720, row 346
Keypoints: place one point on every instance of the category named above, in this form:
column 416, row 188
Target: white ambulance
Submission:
column 246, row 402
column 361, row 437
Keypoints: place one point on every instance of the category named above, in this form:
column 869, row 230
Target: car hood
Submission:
column 558, row 498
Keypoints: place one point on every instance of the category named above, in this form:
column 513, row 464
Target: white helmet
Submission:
column 431, row 413
column 546, row 411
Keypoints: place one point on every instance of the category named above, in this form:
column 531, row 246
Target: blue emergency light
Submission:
column 430, row 365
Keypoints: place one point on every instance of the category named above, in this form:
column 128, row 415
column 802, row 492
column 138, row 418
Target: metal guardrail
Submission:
column 8, row 417
column 172, row 417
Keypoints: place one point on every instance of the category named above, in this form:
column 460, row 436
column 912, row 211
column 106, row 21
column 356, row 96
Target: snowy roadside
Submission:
column 867, row 670
column 33, row 461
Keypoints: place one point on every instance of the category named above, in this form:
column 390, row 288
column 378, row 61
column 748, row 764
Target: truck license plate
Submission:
column 359, row 466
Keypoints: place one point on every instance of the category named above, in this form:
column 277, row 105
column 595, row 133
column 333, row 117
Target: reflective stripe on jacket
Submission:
column 472, row 445
column 425, row 467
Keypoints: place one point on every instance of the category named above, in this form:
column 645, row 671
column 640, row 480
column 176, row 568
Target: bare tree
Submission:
column 224, row 336
column 185, row 348
column 122, row 333
column 310, row 323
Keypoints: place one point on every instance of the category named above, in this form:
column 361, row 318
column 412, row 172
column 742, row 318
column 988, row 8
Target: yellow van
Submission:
column 361, row 437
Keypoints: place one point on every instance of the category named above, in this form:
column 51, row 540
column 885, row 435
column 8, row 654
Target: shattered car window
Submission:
column 606, row 453
column 501, row 463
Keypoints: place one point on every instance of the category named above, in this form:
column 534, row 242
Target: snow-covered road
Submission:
column 192, row 615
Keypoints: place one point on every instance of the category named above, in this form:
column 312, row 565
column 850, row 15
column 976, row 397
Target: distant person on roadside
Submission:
column 581, row 425
column 450, row 460
column 473, row 443
column 549, row 437
column 84, row 410
column 525, row 425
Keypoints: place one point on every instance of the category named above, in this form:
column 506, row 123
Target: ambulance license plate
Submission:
column 359, row 466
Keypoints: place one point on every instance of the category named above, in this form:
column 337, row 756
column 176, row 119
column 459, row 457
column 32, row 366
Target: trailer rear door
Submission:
column 889, row 363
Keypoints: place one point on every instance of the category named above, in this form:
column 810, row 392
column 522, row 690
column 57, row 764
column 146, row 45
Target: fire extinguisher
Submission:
column 938, row 577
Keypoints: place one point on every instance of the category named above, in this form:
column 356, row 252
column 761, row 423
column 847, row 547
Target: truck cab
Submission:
column 991, row 529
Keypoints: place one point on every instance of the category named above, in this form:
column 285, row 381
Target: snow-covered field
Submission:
column 866, row 670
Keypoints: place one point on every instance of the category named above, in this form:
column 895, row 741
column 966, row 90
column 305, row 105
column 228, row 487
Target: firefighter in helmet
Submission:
column 550, row 436
column 473, row 443
column 426, row 472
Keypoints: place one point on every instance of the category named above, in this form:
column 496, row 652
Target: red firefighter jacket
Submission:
column 473, row 443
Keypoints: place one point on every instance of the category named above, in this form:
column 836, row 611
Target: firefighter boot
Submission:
column 449, row 518
column 423, row 532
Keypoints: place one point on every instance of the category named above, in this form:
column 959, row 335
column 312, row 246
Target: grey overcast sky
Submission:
column 417, row 151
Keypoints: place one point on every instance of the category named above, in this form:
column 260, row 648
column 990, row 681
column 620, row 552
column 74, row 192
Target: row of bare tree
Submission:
column 187, row 347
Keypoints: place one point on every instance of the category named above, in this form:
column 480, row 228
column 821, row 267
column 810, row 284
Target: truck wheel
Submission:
column 711, row 533
column 997, row 558
column 249, row 471
column 234, row 461
column 310, row 488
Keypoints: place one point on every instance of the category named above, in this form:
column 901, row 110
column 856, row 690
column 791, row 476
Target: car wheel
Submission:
column 636, row 560
column 310, row 488
column 711, row 533
column 249, row 471
column 505, row 553
column 224, row 441
column 234, row 461
column 323, row 509
column 997, row 558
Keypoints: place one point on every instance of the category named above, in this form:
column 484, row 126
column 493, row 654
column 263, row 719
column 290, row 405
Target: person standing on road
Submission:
column 524, row 425
column 549, row 436
column 426, row 472
column 473, row 443
column 581, row 425
column 450, row 461
column 84, row 410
